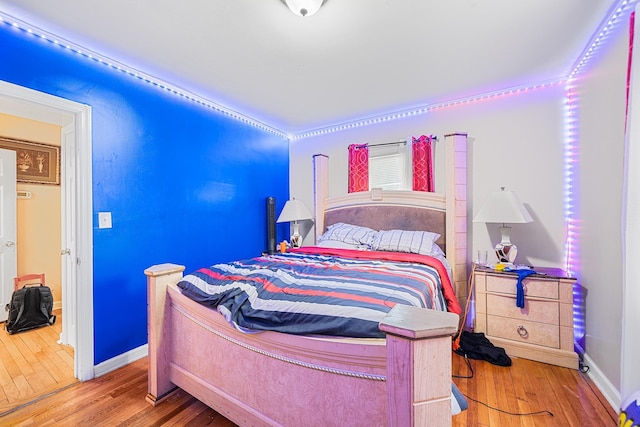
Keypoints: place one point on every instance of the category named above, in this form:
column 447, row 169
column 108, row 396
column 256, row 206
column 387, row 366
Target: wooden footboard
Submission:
column 270, row 378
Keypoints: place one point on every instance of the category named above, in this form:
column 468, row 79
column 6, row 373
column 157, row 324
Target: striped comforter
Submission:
column 321, row 291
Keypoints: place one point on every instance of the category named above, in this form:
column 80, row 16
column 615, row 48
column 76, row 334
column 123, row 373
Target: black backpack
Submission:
column 30, row 308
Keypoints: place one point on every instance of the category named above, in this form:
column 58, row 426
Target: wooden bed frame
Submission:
column 271, row 379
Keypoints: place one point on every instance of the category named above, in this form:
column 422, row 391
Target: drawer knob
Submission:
column 522, row 331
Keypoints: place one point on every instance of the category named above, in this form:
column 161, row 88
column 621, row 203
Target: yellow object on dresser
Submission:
column 543, row 329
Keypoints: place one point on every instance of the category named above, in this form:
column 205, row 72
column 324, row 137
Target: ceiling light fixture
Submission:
column 304, row 7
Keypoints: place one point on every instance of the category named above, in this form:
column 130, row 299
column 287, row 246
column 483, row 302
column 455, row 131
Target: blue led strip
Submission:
column 618, row 15
column 619, row 12
column 147, row 78
column 571, row 179
column 427, row 109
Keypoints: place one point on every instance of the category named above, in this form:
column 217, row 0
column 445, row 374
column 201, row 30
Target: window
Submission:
column 390, row 166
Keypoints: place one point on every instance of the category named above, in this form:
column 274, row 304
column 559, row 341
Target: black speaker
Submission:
column 271, row 225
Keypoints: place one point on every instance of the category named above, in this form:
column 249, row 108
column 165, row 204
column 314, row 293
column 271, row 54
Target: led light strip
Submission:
column 621, row 10
column 428, row 109
column 572, row 136
column 571, row 180
column 618, row 12
column 571, row 204
column 147, row 78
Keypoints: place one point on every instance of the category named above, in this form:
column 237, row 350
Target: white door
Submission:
column 8, row 254
column 68, row 251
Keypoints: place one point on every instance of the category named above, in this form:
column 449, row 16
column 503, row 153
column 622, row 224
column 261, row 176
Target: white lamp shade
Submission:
column 294, row 210
column 503, row 207
column 304, row 7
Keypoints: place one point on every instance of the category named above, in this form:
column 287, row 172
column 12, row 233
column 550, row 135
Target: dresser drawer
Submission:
column 534, row 310
column 535, row 288
column 543, row 329
column 542, row 334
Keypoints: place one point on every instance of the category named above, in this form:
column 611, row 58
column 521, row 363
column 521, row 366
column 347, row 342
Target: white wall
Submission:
column 601, row 123
column 630, row 372
column 514, row 141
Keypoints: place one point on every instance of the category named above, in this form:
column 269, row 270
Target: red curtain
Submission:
column 422, row 163
column 631, row 28
column 358, row 168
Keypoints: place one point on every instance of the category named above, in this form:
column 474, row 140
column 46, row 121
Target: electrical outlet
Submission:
column 104, row 219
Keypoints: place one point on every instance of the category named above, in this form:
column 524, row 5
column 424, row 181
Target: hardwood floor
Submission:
column 118, row 398
column 529, row 387
column 33, row 364
column 115, row 399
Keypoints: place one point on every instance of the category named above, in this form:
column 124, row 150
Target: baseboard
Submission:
column 553, row 356
column 120, row 360
column 602, row 382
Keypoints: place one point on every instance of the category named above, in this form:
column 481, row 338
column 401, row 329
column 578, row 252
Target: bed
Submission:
column 403, row 378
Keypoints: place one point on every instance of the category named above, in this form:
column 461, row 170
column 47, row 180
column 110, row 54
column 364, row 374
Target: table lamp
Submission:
column 504, row 207
column 294, row 211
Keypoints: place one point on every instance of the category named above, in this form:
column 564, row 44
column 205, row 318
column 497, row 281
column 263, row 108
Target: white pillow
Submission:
column 436, row 250
column 348, row 233
column 416, row 242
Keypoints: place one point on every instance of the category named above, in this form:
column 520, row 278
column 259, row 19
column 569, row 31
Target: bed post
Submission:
column 418, row 366
column 158, row 278
column 320, row 192
column 457, row 211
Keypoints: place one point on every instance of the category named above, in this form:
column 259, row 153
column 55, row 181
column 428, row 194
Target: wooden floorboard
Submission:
column 33, row 365
column 527, row 393
column 118, row 399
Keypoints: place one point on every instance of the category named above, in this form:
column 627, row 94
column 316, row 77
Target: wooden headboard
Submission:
column 445, row 214
column 389, row 210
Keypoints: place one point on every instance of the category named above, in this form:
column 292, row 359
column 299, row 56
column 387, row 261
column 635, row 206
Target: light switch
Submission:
column 104, row 219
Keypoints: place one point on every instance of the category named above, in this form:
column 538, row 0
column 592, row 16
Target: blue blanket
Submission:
column 303, row 293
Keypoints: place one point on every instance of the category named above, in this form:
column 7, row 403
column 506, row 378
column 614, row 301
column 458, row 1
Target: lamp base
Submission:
column 296, row 238
column 506, row 252
column 296, row 241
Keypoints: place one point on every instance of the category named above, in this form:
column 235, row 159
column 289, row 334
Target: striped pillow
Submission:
column 348, row 233
column 416, row 242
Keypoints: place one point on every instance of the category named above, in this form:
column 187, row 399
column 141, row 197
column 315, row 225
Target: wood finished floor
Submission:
column 33, row 364
column 525, row 387
column 118, row 399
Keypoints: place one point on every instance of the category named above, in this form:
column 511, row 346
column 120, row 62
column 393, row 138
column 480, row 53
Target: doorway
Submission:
column 31, row 222
column 77, row 219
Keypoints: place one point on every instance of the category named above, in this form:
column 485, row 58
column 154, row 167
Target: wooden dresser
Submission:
column 543, row 329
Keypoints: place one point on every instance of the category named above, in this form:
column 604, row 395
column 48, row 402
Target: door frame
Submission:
column 23, row 102
column 9, row 233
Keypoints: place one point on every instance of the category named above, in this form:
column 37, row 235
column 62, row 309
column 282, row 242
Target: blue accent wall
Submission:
column 184, row 183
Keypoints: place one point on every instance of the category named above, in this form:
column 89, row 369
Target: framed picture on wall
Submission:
column 36, row 163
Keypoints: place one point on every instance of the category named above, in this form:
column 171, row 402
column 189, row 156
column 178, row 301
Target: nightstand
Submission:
column 543, row 329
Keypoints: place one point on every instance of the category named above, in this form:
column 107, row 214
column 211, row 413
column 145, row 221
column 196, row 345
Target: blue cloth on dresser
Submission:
column 522, row 274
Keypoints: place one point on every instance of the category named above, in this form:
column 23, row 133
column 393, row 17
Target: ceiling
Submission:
column 353, row 59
